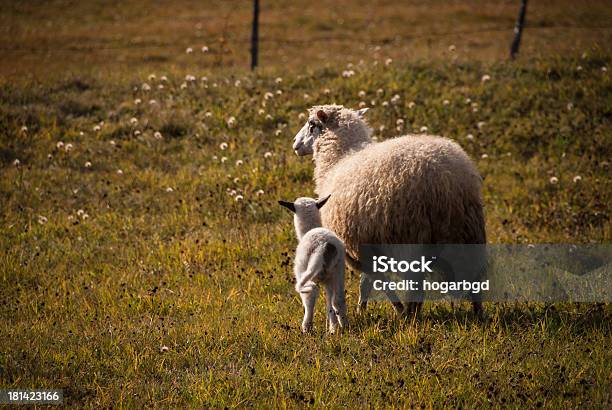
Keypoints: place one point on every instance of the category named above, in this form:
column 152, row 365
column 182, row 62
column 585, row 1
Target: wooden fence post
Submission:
column 518, row 30
column 255, row 34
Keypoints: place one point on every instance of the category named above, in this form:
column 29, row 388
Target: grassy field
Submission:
column 144, row 260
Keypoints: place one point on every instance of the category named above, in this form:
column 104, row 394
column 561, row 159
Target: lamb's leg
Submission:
column 332, row 320
column 309, row 298
column 339, row 302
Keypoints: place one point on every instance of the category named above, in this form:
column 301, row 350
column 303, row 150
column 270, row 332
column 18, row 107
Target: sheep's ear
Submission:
column 322, row 116
column 289, row 205
column 361, row 113
column 322, row 201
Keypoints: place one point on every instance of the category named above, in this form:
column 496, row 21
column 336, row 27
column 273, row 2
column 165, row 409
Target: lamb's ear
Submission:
column 322, row 116
column 322, row 201
column 289, row 205
column 361, row 113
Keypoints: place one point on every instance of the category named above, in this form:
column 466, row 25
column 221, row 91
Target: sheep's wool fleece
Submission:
column 411, row 189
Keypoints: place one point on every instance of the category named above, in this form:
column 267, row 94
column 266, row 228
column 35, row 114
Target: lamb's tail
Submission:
column 319, row 259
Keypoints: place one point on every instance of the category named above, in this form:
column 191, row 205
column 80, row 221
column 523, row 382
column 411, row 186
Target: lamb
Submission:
column 414, row 189
column 319, row 259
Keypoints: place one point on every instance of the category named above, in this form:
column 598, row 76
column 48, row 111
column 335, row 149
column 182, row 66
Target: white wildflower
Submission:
column 59, row 145
column 223, row 159
column 169, row 189
column 554, row 180
column 445, row 102
column 260, row 192
column 485, row 78
column 577, row 179
column 42, row 219
column 423, row 129
column 361, row 94
column 152, row 77
column 68, row 147
column 119, row 172
column 231, row 122
column 133, row 121
column 278, row 80
column 158, row 135
column 452, row 48
column 146, row 87
column 204, row 49
column 16, row 162
column 223, row 146
column 88, row 164
column 189, row 50
column 238, row 198
column 239, row 163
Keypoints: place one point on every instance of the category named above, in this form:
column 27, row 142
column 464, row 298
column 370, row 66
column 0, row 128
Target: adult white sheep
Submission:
column 319, row 259
column 415, row 189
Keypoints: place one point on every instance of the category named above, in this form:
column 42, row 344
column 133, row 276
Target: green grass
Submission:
column 166, row 256
column 87, row 303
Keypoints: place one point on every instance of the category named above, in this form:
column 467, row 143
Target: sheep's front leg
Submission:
column 309, row 298
column 365, row 287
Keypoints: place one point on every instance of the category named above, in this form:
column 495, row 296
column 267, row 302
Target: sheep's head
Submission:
column 322, row 118
column 304, row 205
column 307, row 215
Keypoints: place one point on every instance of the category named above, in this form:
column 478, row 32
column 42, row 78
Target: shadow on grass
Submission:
column 579, row 318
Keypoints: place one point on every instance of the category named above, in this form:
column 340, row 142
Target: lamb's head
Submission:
column 323, row 119
column 306, row 213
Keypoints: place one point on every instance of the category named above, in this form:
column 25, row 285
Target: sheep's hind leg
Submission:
column 332, row 320
column 339, row 303
column 309, row 298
